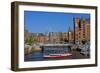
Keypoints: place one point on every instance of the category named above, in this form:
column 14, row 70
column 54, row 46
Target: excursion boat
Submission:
column 56, row 52
column 57, row 55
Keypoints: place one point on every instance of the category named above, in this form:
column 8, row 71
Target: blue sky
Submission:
column 41, row 22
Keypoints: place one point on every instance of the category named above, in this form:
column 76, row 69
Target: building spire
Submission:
column 68, row 28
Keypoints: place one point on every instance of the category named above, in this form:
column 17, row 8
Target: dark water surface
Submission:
column 38, row 56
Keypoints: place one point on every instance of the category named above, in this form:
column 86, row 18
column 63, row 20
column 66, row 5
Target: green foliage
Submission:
column 65, row 40
column 84, row 41
column 31, row 40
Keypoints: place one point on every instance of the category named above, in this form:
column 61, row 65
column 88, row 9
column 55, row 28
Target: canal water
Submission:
column 38, row 56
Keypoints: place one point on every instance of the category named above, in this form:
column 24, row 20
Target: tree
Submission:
column 65, row 40
column 84, row 41
column 31, row 40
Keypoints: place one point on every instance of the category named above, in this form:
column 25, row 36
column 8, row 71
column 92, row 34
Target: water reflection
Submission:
column 39, row 56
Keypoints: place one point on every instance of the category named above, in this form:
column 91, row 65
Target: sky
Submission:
column 41, row 22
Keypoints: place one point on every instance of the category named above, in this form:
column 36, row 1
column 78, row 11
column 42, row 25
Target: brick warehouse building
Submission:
column 80, row 33
column 81, row 30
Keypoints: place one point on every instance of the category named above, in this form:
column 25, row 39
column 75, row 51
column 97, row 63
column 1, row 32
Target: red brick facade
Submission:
column 81, row 32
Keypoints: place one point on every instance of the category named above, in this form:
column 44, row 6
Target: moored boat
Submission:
column 57, row 55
